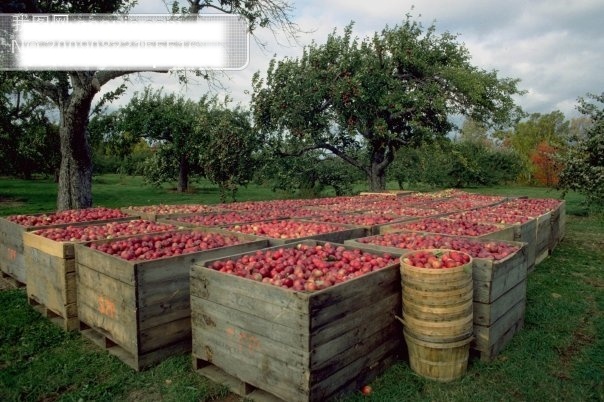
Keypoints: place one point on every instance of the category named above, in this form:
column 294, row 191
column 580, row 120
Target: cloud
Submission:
column 553, row 47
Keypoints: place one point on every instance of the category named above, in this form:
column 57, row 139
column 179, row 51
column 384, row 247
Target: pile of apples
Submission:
column 107, row 231
column 533, row 206
column 229, row 218
column 436, row 260
column 286, row 229
column 488, row 215
column 164, row 209
column 403, row 211
column 151, row 247
column 452, row 227
column 364, row 219
column 303, row 267
column 68, row 216
column 495, row 250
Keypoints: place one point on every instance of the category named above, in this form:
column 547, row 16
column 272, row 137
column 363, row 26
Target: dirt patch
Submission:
column 144, row 395
column 11, row 202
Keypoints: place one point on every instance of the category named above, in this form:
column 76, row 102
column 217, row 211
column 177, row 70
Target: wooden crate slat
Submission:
column 209, row 280
column 485, row 337
column 207, row 313
column 487, row 314
column 286, row 381
column 348, row 298
column 68, row 322
column 48, row 246
column 357, row 319
column 325, row 362
column 154, row 338
column 165, row 312
column 109, row 265
column 255, row 344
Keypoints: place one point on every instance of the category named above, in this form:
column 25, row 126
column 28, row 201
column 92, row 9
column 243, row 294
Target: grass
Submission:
column 558, row 356
column 112, row 190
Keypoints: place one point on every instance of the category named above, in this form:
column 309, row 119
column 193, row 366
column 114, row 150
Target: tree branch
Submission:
column 388, row 159
column 45, row 88
column 344, row 156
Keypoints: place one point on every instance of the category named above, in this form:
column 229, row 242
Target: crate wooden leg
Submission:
column 219, row 376
column 109, row 345
column 15, row 283
column 66, row 323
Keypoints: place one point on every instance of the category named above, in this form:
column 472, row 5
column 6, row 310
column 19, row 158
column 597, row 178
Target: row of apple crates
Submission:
column 266, row 342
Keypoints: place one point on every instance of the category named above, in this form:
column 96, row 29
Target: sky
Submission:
column 554, row 47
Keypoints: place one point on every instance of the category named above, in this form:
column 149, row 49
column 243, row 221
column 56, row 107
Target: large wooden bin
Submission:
column 499, row 296
column 271, row 343
column 140, row 311
column 51, row 285
column 12, row 260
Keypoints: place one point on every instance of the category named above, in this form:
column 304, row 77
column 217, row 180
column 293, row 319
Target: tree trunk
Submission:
column 75, row 174
column 377, row 170
column 183, row 175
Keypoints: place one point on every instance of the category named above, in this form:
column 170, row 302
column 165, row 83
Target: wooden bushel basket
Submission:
column 438, row 361
column 437, row 318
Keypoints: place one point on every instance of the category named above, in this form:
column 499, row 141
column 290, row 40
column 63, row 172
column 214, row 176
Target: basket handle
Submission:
column 401, row 320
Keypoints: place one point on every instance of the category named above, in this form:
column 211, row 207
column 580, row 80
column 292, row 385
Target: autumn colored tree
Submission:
column 546, row 164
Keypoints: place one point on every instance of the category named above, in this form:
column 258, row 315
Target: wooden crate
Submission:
column 498, row 287
column 51, row 285
column 140, row 311
column 351, row 232
column 12, row 261
column 295, row 346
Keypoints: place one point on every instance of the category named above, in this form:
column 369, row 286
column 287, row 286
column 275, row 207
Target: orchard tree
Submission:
column 381, row 93
column 169, row 123
column 584, row 162
column 227, row 147
column 72, row 92
column 29, row 139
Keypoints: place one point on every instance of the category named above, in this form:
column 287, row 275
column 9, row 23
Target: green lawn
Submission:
column 559, row 356
column 112, row 190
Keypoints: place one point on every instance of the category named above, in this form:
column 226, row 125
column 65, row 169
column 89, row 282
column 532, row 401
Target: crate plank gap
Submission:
column 140, row 311
column 295, row 346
